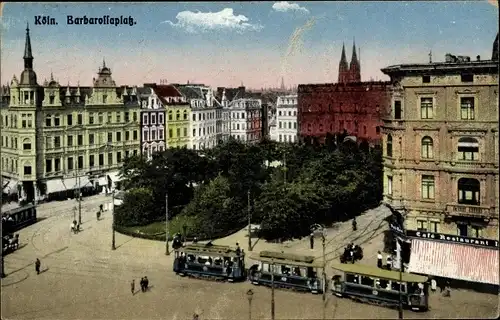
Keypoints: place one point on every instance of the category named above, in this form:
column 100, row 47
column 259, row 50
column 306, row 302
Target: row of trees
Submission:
column 291, row 186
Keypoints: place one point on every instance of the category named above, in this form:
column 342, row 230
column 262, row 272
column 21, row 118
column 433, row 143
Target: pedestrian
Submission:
column 101, row 208
column 146, row 284
column 433, row 285
column 379, row 259
column 132, row 286
column 37, row 266
column 196, row 317
column 142, row 284
column 238, row 249
column 354, row 224
column 311, row 241
column 389, row 262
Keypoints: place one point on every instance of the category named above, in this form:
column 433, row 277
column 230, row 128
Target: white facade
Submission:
column 153, row 124
column 245, row 119
column 286, row 127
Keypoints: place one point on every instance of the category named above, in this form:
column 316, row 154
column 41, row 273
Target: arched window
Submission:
column 389, row 146
column 469, row 191
column 427, row 146
column 170, row 115
column 186, row 115
column 48, row 120
column 178, row 115
column 27, row 144
column 468, row 149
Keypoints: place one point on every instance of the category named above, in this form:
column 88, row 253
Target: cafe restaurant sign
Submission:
column 452, row 238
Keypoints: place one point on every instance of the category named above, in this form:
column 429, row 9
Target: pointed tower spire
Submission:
column 283, row 83
column 28, row 55
column 354, row 68
column 51, row 76
column 103, row 63
column 343, row 67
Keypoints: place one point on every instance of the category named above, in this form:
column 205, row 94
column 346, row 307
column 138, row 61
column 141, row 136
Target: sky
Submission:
column 230, row 43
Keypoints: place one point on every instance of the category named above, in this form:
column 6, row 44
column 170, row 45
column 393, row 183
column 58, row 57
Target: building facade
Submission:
column 245, row 119
column 286, row 129
column 59, row 138
column 441, row 165
column 351, row 105
column 153, row 124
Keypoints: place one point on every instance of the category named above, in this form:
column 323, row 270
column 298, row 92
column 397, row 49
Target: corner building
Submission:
column 57, row 139
column 441, row 164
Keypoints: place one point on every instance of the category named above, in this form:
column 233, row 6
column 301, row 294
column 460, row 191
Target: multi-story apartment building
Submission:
column 178, row 116
column 441, row 165
column 286, row 119
column 56, row 139
column 152, row 122
column 245, row 119
column 204, row 112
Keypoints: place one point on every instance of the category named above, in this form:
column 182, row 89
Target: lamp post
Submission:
column 249, row 224
column 2, row 271
column 321, row 230
column 113, row 246
column 250, row 297
column 272, row 291
column 400, row 309
column 167, row 252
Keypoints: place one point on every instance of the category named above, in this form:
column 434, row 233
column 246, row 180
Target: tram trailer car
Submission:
column 287, row 271
column 381, row 287
column 211, row 262
column 18, row 218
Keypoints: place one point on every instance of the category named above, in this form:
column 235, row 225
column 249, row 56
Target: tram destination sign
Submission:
column 452, row 238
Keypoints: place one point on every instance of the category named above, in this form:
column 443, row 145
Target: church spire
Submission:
column 28, row 56
column 354, row 67
column 103, row 63
column 343, row 67
column 354, row 58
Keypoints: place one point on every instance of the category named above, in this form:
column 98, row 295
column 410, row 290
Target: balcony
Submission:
column 465, row 210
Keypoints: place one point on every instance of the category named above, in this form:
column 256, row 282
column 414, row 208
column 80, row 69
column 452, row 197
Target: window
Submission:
column 48, row 121
column 426, row 108
column 48, row 165
column 160, row 118
column 469, row 191
column 91, row 118
column 127, row 154
column 145, row 134
column 178, row 132
column 26, row 144
column 91, row 160
column 289, row 125
column 101, row 160
column 186, row 132
column 118, row 117
column 110, row 137
column 389, row 146
column 467, row 108
column 27, row 170
column 279, row 113
column 422, row 225
column 153, row 134
column 194, row 117
column 468, row 149
column 57, row 120
column 170, row 115
column 100, row 118
column 127, row 135
column 51, row 99
column 110, row 117
column 364, row 130
column 434, row 226
column 476, row 232
column 57, row 142
column 426, row 79
column 69, row 119
column 153, row 118
column 80, row 162
column 104, row 98
column 178, row 115
column 170, row 134
column 280, row 124
column 427, row 145
column 91, row 139
column 80, row 119
column 462, row 229
column 194, row 132
column 134, row 116
column 118, row 156
column 57, row 165
column 118, row 136
column 70, row 141
column 135, row 152
column 160, row 134
column 377, row 130
column 389, row 185
column 145, row 118
column 135, row 135
column 427, row 187
column 186, row 115
column 467, row 77
column 80, row 140
column 110, row 159
column 397, row 110
column 127, row 116
column 70, row 163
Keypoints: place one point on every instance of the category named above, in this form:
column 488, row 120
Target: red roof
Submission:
column 454, row 261
column 165, row 91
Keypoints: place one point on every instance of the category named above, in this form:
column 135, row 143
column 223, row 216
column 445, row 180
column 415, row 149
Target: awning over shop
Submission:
column 55, row 185
column 114, row 176
column 454, row 261
column 10, row 187
column 75, row 183
column 103, row 181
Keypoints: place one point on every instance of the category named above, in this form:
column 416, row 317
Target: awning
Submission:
column 55, row 185
column 454, row 261
column 468, row 142
column 114, row 176
column 103, row 181
column 73, row 183
column 11, row 187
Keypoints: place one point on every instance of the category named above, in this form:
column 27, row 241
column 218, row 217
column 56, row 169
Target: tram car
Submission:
column 286, row 271
column 16, row 219
column 381, row 287
column 211, row 262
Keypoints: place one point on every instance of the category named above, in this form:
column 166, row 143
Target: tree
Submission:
column 136, row 209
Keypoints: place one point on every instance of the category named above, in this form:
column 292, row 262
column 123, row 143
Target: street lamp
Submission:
column 167, row 252
column 113, row 246
column 249, row 224
column 320, row 230
column 250, row 297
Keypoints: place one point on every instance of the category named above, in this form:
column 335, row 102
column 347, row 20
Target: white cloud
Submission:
column 284, row 6
column 225, row 19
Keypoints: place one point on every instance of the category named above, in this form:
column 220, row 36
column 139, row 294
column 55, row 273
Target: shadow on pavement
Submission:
column 125, row 243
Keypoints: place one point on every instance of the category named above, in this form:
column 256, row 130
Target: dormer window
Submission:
column 51, row 99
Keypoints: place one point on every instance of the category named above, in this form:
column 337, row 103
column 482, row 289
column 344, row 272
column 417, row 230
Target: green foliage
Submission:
column 136, row 209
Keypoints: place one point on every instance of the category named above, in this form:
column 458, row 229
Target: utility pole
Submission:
column 249, row 224
column 272, row 291
column 80, row 202
column 400, row 309
column 284, row 166
column 323, row 240
column 167, row 252
column 113, row 247
column 2, row 275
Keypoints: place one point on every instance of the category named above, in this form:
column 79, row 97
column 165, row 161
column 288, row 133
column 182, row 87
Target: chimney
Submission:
column 478, row 58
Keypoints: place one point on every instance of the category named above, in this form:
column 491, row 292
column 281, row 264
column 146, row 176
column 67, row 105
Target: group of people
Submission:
column 75, row 226
column 144, row 285
column 388, row 263
column 351, row 253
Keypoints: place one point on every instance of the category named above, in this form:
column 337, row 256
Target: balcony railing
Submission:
column 456, row 209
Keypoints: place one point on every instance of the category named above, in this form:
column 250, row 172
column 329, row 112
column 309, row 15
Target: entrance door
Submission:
column 462, row 230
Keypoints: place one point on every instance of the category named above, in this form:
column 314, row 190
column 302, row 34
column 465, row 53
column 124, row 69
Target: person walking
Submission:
column 379, row 259
column 142, row 284
column 389, row 262
column 37, row 266
column 146, row 284
column 101, row 208
column 311, row 240
column 354, row 224
column 132, row 286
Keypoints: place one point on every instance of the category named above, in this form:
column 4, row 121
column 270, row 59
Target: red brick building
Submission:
column 350, row 104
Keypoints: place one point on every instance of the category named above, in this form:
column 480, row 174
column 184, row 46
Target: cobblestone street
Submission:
column 83, row 278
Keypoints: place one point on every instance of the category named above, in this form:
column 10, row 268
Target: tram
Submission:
column 18, row 218
column 381, row 287
column 211, row 262
column 287, row 271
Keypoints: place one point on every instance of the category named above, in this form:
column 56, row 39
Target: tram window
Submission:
column 367, row 281
column 384, row 284
column 395, row 287
column 218, row 261
column 351, row 278
column 296, row 272
column 310, row 272
column 265, row 267
column 190, row 258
